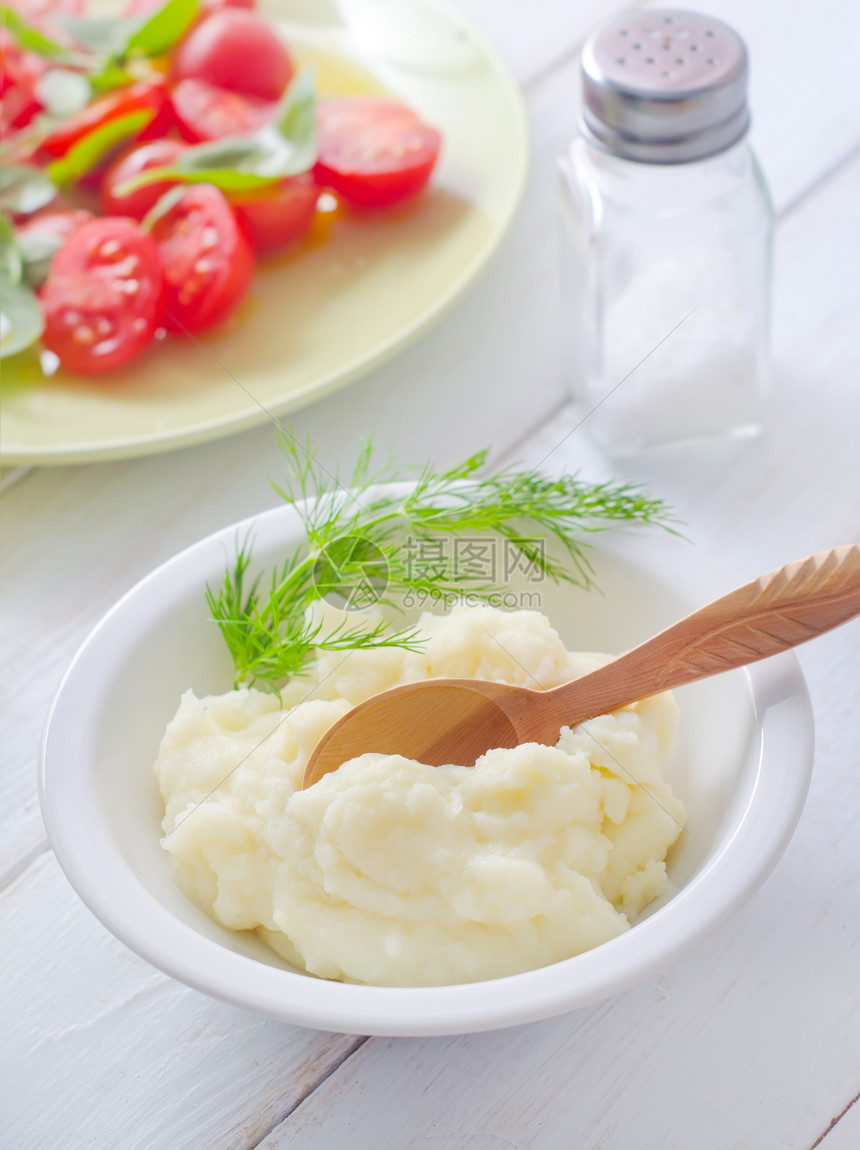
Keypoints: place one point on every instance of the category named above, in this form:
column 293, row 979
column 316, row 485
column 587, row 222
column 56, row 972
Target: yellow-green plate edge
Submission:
column 321, row 316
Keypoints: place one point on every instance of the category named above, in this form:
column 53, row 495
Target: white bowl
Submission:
column 742, row 769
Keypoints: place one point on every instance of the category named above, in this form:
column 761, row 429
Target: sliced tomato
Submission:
column 374, row 153
column 207, row 258
column 279, row 216
column 19, row 74
column 156, row 154
column 102, row 299
column 234, row 49
column 145, row 96
column 204, row 112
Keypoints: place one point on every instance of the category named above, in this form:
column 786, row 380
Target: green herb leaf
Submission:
column 162, row 206
column 63, row 92
column 25, row 188
column 37, row 250
column 105, row 36
column 11, row 259
column 86, row 153
column 10, row 255
column 257, row 160
column 109, row 77
column 296, row 121
column 357, row 537
column 21, row 319
column 162, row 29
column 226, row 179
column 29, row 37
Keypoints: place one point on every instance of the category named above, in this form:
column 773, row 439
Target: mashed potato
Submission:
column 395, row 873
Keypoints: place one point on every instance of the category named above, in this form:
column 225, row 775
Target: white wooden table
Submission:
column 753, row 1041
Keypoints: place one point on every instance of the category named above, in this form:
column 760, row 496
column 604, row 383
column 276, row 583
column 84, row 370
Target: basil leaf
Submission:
column 227, row 179
column 62, row 92
column 37, row 250
column 25, row 188
column 86, row 153
column 163, row 28
column 257, row 160
column 296, row 121
column 228, row 163
column 11, row 260
column 21, row 319
column 162, row 206
column 29, row 37
column 104, row 35
column 110, row 77
column 228, row 152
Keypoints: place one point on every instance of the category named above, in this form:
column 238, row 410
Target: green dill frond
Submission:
column 356, row 549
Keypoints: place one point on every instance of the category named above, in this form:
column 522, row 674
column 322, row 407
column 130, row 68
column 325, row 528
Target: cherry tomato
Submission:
column 279, row 216
column 19, row 74
column 156, row 154
column 204, row 112
column 103, row 296
column 374, row 153
column 235, row 49
column 208, row 260
column 145, row 96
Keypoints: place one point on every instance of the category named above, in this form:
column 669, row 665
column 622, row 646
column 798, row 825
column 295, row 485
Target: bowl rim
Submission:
column 107, row 884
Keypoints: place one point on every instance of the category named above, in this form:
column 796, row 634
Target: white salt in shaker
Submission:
column 667, row 228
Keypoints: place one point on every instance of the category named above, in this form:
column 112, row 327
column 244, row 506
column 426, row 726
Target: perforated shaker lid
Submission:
column 664, row 86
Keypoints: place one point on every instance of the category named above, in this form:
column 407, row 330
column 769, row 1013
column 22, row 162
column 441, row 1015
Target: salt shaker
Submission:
column 667, row 229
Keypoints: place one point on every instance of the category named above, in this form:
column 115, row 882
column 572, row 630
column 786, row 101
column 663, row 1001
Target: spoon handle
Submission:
column 772, row 613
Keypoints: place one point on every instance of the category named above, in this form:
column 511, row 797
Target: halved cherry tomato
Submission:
column 374, row 153
column 207, row 258
column 19, row 73
column 156, row 154
column 145, row 96
column 235, row 49
column 204, row 112
column 280, row 215
column 102, row 299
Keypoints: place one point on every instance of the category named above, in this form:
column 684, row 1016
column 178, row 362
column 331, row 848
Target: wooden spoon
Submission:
column 440, row 721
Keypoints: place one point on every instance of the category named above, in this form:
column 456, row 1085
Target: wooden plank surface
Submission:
column 101, row 1049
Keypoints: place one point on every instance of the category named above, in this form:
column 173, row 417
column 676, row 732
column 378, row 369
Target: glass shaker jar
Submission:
column 667, row 229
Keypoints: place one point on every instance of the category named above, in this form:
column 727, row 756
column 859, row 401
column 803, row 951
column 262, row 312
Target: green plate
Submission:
column 357, row 291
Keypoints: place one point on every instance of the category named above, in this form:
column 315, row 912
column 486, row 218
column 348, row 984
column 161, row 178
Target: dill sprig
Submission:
column 361, row 537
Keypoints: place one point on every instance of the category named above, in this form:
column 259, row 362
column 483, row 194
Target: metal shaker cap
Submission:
column 664, row 86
